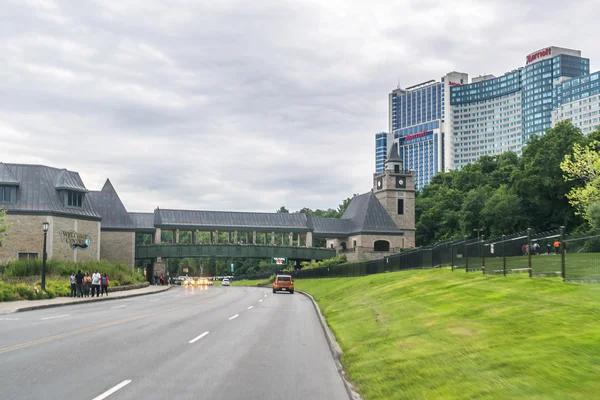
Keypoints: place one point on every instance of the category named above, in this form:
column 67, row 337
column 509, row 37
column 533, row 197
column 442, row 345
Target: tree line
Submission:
column 506, row 193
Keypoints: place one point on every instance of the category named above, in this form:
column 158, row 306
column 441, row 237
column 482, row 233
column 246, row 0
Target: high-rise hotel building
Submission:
column 448, row 124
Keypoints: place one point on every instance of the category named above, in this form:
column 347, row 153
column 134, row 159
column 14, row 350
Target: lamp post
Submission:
column 478, row 231
column 45, row 226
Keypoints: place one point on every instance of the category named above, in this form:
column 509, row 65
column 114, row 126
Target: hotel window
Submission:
column 7, row 194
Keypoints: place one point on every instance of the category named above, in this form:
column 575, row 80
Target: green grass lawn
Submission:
column 246, row 282
column 439, row 334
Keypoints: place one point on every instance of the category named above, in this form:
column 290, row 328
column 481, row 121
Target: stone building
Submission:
column 33, row 194
column 94, row 225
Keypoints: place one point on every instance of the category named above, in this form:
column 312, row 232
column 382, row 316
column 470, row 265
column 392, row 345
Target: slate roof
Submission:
column 227, row 220
column 68, row 180
column 394, row 155
column 37, row 192
column 7, row 177
column 113, row 212
column 364, row 214
column 143, row 221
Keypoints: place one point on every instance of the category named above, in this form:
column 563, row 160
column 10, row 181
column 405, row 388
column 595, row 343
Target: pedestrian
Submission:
column 162, row 278
column 96, row 284
column 79, row 283
column 536, row 248
column 104, row 284
column 73, row 287
column 87, row 284
column 524, row 249
column 556, row 246
column 156, row 279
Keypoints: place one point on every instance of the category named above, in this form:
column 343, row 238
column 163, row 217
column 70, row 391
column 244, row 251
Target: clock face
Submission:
column 379, row 183
column 400, row 183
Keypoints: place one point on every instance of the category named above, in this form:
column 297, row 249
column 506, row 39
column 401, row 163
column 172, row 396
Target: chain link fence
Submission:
column 543, row 254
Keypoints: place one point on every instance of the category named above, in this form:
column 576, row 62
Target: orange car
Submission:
column 283, row 282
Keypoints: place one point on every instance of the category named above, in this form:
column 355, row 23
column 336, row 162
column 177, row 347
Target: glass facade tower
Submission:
column 381, row 150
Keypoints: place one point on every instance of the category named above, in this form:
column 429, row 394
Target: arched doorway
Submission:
column 343, row 246
column 381, row 245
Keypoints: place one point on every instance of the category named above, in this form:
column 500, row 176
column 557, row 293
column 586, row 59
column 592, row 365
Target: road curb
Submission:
column 43, row 306
column 336, row 350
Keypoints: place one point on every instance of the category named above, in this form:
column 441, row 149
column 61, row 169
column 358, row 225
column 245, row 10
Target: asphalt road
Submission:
column 201, row 343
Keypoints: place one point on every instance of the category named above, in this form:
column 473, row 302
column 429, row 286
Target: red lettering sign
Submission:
column 453, row 83
column 416, row 135
column 539, row 54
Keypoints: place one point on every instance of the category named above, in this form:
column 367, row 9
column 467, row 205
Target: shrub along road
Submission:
column 442, row 334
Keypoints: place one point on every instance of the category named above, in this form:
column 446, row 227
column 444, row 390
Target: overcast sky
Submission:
column 243, row 105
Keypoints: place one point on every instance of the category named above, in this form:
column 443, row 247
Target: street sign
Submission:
column 231, row 267
column 279, row 261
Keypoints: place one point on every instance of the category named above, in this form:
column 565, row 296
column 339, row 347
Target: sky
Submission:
column 241, row 105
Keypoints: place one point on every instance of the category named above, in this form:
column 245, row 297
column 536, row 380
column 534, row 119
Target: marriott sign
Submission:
column 539, row 54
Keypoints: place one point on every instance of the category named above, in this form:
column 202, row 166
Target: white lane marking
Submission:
column 178, row 295
column 10, row 319
column 121, row 306
column 260, row 301
column 198, row 337
column 155, row 300
column 250, row 308
column 234, row 317
column 112, row 390
column 58, row 316
column 265, row 295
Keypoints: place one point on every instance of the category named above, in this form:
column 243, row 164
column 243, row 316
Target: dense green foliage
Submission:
column 505, row 193
column 446, row 335
column 3, row 225
column 330, row 262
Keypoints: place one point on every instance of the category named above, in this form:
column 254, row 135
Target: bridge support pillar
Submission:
column 299, row 239
column 228, row 237
column 309, row 239
column 157, row 236
column 216, row 237
column 235, row 237
column 195, row 237
column 291, row 239
column 253, row 237
column 176, row 235
column 273, row 238
column 211, row 238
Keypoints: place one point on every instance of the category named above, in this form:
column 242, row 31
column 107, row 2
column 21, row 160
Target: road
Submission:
column 201, row 343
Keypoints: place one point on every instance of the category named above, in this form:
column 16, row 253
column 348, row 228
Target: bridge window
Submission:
column 381, row 245
column 343, row 245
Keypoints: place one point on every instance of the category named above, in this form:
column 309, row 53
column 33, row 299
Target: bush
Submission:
column 330, row 262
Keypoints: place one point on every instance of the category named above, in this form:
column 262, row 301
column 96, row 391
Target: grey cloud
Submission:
column 237, row 105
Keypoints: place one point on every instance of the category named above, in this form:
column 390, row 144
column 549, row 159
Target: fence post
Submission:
column 452, row 252
column 503, row 255
column 421, row 257
column 466, row 257
column 529, row 250
column 562, row 253
column 481, row 249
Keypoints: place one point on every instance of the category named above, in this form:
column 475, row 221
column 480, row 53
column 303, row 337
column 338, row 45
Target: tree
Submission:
column 3, row 225
column 583, row 167
column 502, row 211
column 283, row 210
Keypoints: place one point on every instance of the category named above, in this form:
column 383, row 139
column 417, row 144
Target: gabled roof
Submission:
column 113, row 212
column 7, row 177
column 393, row 155
column 364, row 215
column 143, row 222
column 227, row 220
column 68, row 180
column 37, row 192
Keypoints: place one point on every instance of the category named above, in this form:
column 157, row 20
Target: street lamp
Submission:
column 45, row 226
column 478, row 231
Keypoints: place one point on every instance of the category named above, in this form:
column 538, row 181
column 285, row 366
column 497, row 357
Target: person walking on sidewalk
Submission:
column 87, row 284
column 79, row 283
column 104, row 282
column 96, row 283
column 72, row 281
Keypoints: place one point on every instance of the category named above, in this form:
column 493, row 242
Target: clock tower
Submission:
column 395, row 190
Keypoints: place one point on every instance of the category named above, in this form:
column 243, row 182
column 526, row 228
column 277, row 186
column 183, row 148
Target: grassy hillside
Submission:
column 439, row 334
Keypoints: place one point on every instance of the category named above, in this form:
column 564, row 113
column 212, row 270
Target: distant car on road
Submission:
column 284, row 283
column 225, row 282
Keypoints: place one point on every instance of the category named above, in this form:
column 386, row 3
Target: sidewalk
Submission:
column 28, row 305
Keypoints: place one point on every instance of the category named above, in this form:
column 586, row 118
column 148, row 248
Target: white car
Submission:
column 225, row 282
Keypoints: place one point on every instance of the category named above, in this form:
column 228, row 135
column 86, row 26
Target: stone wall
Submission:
column 24, row 235
column 118, row 247
column 61, row 250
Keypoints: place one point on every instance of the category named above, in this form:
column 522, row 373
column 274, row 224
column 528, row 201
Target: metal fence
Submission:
column 541, row 254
